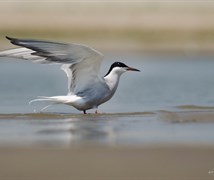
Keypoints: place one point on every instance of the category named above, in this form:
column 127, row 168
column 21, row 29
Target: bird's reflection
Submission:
column 76, row 130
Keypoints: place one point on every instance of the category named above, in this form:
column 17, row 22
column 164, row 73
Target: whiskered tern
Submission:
column 86, row 89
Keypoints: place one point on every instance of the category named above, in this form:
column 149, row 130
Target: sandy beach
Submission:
column 101, row 163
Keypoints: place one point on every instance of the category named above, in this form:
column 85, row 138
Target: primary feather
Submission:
column 80, row 63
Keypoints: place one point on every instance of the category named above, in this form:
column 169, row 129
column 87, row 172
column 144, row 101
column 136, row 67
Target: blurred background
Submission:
column 162, row 114
column 172, row 42
column 148, row 26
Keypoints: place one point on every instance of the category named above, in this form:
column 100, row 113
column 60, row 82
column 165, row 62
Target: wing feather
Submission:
column 80, row 63
column 22, row 53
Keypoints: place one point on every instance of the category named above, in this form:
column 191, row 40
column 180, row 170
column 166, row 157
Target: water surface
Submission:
column 169, row 102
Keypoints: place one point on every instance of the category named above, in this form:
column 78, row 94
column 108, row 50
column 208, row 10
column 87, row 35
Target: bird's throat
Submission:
column 112, row 80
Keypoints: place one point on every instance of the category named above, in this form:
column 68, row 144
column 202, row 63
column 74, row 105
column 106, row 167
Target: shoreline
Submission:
column 123, row 40
column 179, row 114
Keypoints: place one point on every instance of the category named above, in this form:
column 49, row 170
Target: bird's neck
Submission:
column 112, row 80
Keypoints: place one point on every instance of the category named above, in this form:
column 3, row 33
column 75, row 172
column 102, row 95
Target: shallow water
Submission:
column 169, row 102
column 164, row 82
column 65, row 130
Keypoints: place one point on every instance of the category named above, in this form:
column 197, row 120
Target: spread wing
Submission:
column 80, row 63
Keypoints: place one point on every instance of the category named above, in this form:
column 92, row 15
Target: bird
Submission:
column 86, row 88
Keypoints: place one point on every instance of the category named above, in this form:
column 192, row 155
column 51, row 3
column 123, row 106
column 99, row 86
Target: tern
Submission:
column 86, row 88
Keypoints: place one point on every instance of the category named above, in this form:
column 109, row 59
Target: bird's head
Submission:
column 120, row 68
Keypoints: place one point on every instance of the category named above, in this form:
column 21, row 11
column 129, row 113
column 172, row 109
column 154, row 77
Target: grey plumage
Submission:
column 86, row 89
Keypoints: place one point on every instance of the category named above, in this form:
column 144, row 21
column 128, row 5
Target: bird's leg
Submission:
column 84, row 112
column 96, row 112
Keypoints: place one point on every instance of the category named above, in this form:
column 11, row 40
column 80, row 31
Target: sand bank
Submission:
column 147, row 27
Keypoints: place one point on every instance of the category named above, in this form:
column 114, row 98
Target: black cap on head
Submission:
column 116, row 64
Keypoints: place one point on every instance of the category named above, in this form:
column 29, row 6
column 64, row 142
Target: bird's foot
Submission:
column 96, row 112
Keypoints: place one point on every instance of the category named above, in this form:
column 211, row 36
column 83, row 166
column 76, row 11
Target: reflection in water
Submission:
column 107, row 129
column 78, row 130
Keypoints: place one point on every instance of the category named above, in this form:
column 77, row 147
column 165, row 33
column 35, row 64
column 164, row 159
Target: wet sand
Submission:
column 188, row 114
column 92, row 160
column 116, row 163
column 87, row 158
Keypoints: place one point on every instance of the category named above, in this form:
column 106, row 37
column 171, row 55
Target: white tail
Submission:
column 53, row 99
